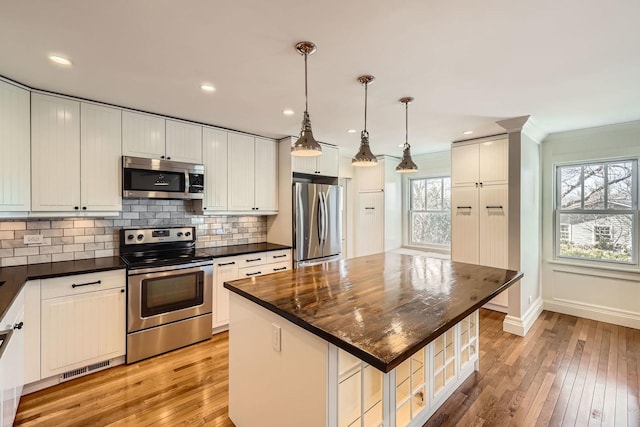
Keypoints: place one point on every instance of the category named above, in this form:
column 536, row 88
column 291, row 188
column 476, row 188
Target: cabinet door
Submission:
column 226, row 269
column 241, row 172
column 100, row 159
column 184, row 142
column 464, row 224
column 328, row 162
column 143, row 135
column 493, row 223
column 79, row 330
column 305, row 164
column 370, row 178
column 12, row 363
column 55, row 154
column 266, row 175
column 370, row 224
column 15, row 160
column 464, row 165
column 214, row 145
column 494, row 162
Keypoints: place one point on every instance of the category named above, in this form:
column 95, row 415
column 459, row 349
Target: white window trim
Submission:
column 410, row 243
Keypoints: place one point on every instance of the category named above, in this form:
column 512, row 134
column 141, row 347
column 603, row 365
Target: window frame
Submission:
column 633, row 211
column 410, row 211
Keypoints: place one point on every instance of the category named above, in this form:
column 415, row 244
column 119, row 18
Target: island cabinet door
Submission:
column 468, row 342
column 443, row 364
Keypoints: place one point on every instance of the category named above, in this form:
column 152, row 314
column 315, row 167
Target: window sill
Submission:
column 621, row 272
column 437, row 249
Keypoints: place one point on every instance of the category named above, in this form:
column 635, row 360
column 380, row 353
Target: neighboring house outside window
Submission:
column 596, row 213
column 430, row 212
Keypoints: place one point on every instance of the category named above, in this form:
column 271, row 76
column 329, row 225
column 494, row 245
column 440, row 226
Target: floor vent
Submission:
column 98, row 365
column 74, row 373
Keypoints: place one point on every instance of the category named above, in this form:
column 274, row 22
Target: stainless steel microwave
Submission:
column 161, row 179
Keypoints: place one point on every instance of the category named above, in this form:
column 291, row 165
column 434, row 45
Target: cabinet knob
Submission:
column 168, row 158
column 162, row 157
column 18, row 325
column 205, row 208
column 76, row 207
column 84, row 208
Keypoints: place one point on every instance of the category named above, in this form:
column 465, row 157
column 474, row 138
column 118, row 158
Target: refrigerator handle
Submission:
column 325, row 218
column 320, row 219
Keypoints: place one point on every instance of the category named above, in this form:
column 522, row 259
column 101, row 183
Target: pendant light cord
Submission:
column 306, row 102
column 406, row 124
column 365, row 107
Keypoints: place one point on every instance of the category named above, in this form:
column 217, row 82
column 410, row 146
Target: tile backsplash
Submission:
column 68, row 239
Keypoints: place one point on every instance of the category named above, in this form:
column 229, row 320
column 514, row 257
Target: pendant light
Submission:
column 364, row 156
column 406, row 165
column 306, row 145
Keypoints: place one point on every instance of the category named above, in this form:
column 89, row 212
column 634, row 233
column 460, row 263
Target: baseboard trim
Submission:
column 594, row 312
column 496, row 307
column 520, row 326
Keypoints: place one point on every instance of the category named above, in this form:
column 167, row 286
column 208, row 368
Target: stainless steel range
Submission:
column 169, row 290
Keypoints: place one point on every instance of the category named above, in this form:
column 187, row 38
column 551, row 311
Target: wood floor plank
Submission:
column 566, row 371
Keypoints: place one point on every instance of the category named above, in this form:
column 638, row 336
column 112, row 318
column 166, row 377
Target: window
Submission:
column 596, row 211
column 430, row 212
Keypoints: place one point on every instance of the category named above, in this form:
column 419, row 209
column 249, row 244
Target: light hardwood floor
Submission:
column 566, row 371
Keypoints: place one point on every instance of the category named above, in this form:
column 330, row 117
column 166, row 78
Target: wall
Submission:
column 80, row 238
column 593, row 290
column 429, row 165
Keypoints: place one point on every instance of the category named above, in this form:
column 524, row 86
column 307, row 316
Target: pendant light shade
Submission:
column 406, row 164
column 306, row 145
column 364, row 156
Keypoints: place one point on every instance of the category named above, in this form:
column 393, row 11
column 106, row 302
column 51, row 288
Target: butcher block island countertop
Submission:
column 380, row 308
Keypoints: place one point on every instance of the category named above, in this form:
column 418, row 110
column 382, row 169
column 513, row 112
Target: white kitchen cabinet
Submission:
column 378, row 221
column 100, row 158
column 479, row 204
column 184, row 142
column 215, row 159
column 12, row 361
column 143, row 135
column 153, row 137
column 444, row 363
column 15, row 161
column 468, row 341
column 326, row 164
column 252, row 174
column 241, row 267
column 83, row 324
column 55, row 153
column 75, row 159
column 32, row 331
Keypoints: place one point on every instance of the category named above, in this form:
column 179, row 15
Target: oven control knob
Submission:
column 188, row 233
column 140, row 236
column 130, row 237
column 179, row 233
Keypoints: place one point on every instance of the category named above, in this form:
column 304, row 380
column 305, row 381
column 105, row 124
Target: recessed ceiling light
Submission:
column 352, row 131
column 469, row 132
column 207, row 87
column 288, row 112
column 59, row 60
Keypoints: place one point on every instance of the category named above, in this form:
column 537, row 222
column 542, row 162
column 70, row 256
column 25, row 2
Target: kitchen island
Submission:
column 380, row 340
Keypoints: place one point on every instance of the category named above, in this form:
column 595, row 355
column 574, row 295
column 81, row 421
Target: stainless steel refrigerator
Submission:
column 317, row 227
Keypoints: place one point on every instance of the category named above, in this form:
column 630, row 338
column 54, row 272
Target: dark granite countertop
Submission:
column 223, row 251
column 381, row 308
column 13, row 278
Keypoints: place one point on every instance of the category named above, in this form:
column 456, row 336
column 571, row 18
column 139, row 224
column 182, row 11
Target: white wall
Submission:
column 429, row 165
column 593, row 290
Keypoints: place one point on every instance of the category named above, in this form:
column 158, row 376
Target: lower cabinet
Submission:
column 82, row 326
column 12, row 360
column 240, row 267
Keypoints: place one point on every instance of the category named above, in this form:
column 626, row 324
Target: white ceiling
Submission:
column 570, row 64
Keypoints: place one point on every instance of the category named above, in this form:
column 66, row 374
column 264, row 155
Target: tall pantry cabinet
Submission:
column 479, row 203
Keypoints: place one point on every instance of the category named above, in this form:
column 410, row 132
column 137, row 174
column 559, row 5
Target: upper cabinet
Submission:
column 327, row 164
column 252, row 176
column 15, row 177
column 144, row 135
column 75, row 163
column 483, row 163
column 215, row 158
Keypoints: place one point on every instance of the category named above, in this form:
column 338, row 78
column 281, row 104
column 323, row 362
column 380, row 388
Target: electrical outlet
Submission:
column 276, row 334
column 530, row 299
column 33, row 239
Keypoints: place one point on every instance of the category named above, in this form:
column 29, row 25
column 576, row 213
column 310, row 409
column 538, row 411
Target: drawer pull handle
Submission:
column 97, row 282
column 494, row 207
column 253, row 274
column 367, row 207
column 280, row 256
column 226, row 263
column 464, row 207
column 254, row 260
column 280, row 269
column 18, row 325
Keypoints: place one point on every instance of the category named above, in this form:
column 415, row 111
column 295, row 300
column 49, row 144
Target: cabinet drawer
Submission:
column 256, row 270
column 278, row 256
column 249, row 260
column 277, row 267
column 226, row 263
column 82, row 283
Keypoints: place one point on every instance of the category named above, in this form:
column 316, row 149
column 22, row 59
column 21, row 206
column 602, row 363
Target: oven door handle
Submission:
column 180, row 267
